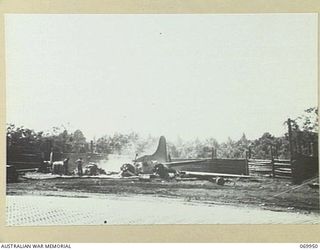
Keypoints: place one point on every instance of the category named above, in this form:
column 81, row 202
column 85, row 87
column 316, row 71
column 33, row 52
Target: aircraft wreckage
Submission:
column 159, row 164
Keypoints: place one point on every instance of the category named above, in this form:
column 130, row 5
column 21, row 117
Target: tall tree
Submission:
column 78, row 142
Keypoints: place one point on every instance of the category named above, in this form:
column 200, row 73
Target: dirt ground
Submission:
column 260, row 192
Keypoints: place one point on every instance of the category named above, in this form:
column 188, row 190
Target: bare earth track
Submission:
column 265, row 194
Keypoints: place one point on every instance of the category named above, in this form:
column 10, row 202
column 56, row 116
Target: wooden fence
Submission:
column 24, row 161
column 274, row 167
column 300, row 168
column 304, row 167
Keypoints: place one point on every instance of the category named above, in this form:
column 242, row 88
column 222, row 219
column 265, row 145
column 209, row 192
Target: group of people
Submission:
column 61, row 167
column 79, row 164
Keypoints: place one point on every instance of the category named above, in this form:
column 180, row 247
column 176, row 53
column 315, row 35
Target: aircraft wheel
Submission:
column 161, row 170
column 220, row 181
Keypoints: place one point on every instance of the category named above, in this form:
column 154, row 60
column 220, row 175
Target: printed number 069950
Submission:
column 308, row 245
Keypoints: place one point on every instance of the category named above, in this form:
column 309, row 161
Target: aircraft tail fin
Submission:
column 161, row 153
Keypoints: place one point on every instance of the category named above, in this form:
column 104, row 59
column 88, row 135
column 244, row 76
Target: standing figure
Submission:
column 79, row 165
column 65, row 165
column 51, row 159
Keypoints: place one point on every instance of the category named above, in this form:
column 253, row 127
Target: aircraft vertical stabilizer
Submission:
column 161, row 154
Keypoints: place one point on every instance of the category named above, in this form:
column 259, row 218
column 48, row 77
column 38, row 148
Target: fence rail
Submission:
column 275, row 168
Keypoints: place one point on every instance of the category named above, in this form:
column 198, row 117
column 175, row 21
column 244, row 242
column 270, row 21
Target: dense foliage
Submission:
column 304, row 131
column 59, row 140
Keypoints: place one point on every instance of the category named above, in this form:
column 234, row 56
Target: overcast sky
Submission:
column 187, row 75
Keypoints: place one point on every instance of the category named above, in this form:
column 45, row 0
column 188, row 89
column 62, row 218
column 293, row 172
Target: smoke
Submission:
column 114, row 162
column 141, row 147
column 128, row 154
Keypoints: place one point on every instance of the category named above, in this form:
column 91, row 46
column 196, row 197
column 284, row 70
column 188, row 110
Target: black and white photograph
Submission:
column 144, row 119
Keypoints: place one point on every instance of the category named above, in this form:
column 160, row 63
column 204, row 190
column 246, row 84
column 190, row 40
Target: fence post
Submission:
column 276, row 153
column 247, row 162
column 272, row 162
column 249, row 152
column 299, row 141
column 290, row 139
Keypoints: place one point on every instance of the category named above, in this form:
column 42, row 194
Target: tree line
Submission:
column 304, row 128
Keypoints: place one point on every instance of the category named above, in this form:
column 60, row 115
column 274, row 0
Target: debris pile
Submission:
column 93, row 169
column 156, row 169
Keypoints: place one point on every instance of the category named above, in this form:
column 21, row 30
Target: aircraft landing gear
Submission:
column 220, row 181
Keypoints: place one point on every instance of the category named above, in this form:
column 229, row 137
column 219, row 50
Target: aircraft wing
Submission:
column 207, row 174
column 177, row 163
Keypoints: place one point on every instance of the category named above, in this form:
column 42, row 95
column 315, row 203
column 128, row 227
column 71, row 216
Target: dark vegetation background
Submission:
column 305, row 130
